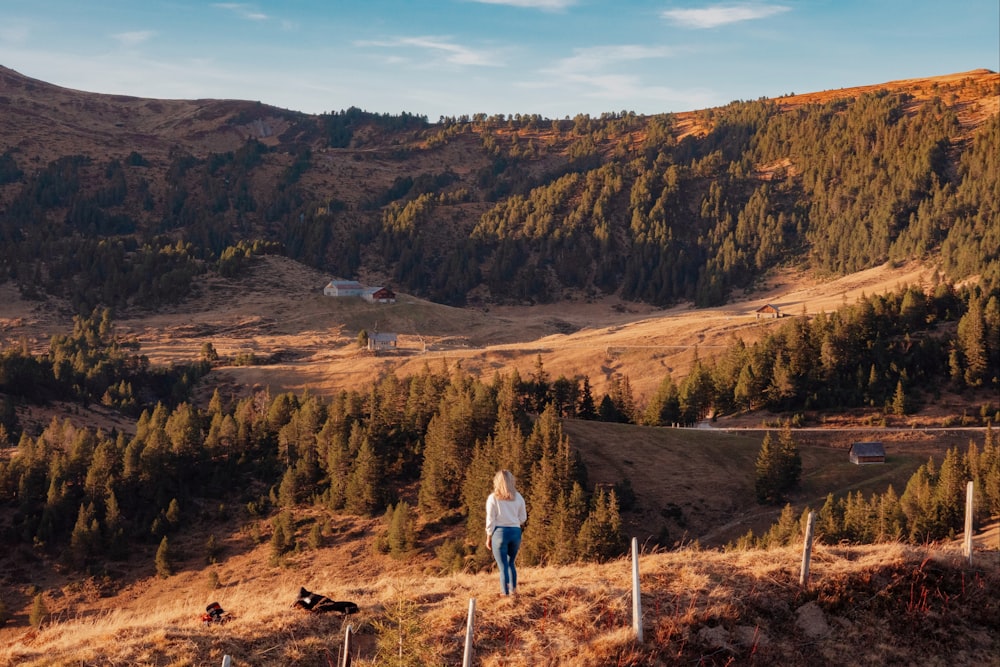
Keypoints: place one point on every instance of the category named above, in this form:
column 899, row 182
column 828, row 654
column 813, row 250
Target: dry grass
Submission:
column 870, row 606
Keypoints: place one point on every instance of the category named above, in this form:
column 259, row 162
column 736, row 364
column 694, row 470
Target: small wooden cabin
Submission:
column 768, row 311
column 864, row 453
column 378, row 342
column 379, row 295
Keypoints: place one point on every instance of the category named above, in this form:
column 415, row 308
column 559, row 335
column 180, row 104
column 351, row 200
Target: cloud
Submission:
column 455, row 54
column 586, row 61
column 244, row 11
column 716, row 15
column 590, row 73
column 547, row 5
column 133, row 37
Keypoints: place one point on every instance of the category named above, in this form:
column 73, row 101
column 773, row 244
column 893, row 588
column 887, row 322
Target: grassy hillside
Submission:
column 134, row 198
column 864, row 606
column 697, row 485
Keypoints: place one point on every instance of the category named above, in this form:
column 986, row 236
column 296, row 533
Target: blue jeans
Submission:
column 506, row 542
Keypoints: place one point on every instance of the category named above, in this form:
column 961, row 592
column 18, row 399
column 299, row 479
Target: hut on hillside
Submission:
column 378, row 342
column 864, row 453
column 379, row 295
column 768, row 311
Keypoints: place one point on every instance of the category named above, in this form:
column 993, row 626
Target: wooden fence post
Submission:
column 807, row 550
column 467, row 656
column 636, row 593
column 345, row 658
column 967, row 544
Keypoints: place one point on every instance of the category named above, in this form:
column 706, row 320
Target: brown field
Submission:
column 278, row 311
column 889, row 604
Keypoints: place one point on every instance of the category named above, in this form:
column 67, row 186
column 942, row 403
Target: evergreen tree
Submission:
column 601, row 535
column 39, row 612
column 86, row 536
column 789, row 460
column 663, row 408
column 767, row 475
column 972, row 341
column 585, row 408
column 364, row 493
column 402, row 531
column 164, row 565
column 400, row 634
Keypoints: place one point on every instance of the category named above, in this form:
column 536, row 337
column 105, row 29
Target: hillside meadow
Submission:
column 877, row 605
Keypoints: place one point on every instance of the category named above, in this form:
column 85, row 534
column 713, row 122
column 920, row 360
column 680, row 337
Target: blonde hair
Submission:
column 504, row 487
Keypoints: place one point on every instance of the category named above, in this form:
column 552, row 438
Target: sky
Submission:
column 556, row 58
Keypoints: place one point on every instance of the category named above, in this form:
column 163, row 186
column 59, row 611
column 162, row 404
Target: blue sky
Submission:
column 556, row 58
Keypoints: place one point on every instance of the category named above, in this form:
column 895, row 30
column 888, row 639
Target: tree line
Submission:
column 931, row 507
column 88, row 494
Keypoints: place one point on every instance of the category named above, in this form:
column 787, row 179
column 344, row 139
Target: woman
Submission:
column 505, row 512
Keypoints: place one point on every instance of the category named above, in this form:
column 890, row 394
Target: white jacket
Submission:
column 504, row 512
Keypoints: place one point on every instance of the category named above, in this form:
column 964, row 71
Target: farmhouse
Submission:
column 379, row 295
column 381, row 341
column 768, row 311
column 863, row 453
column 343, row 288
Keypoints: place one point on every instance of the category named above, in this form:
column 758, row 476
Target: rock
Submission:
column 714, row 637
column 809, row 618
column 747, row 635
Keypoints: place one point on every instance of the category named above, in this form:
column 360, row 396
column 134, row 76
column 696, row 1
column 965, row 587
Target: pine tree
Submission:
column 601, row 535
column 114, row 530
column 790, row 461
column 364, row 484
column 949, row 490
column 86, row 535
column 586, row 409
column 164, row 566
column 972, row 340
column 767, row 479
column 890, row 520
column 39, row 612
column 443, row 465
column 899, row 406
column 400, row 634
column 917, row 503
column 663, row 408
column 402, row 534
column 829, row 521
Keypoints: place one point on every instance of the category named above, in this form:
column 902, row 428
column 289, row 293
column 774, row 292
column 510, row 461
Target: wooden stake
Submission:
column 807, row 550
column 467, row 657
column 636, row 594
column 967, row 543
column 345, row 659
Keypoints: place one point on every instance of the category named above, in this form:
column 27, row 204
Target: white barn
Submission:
column 343, row 288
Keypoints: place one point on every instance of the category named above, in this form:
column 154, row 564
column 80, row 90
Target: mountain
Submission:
column 484, row 210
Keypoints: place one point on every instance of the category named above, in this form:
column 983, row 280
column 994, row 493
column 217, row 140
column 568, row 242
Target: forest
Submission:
column 420, row 451
column 540, row 210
